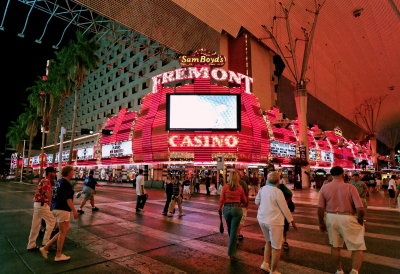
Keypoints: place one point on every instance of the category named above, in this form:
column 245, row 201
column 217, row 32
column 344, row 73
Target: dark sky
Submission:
column 22, row 59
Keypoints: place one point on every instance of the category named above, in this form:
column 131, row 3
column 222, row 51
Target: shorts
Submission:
column 273, row 234
column 88, row 192
column 345, row 229
column 61, row 215
column 186, row 189
column 391, row 193
column 244, row 215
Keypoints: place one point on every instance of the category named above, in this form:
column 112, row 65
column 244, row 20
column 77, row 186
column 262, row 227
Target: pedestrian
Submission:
column 168, row 193
column 89, row 189
column 272, row 211
column 287, row 193
column 392, row 189
column 176, row 198
column 244, row 208
column 344, row 219
column 231, row 200
column 378, row 183
column 186, row 189
column 62, row 205
column 197, row 184
column 254, row 184
column 208, row 183
column 41, row 209
column 397, row 195
column 361, row 187
column 140, row 192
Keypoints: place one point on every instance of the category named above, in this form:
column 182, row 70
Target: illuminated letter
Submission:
column 214, row 74
column 168, row 77
column 233, row 78
column 202, row 59
column 156, row 81
column 247, row 81
column 217, row 140
column 206, row 141
column 197, row 141
column 232, row 143
column 172, row 141
column 186, row 142
column 184, row 58
column 180, row 74
column 194, row 73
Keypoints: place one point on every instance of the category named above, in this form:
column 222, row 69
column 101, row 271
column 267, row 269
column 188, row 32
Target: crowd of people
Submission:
column 341, row 209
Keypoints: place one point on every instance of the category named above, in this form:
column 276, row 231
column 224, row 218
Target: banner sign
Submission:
column 119, row 149
column 284, row 150
column 35, row 160
column 85, row 154
column 65, row 156
column 326, row 156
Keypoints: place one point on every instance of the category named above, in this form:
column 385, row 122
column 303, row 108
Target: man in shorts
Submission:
column 62, row 206
column 89, row 189
column 272, row 211
column 344, row 219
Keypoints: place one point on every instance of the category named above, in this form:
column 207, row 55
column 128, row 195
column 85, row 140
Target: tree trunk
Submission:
column 58, row 128
column 44, row 123
column 301, row 107
column 31, row 136
column 74, row 122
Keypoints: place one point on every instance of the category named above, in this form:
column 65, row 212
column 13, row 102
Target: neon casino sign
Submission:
column 203, row 141
column 218, row 74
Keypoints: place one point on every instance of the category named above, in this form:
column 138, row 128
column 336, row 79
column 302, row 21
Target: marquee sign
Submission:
column 65, row 156
column 203, row 141
column 217, row 74
column 119, row 149
column 326, row 156
column 283, row 150
column 85, row 154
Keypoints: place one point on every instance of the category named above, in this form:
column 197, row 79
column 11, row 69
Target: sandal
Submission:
column 285, row 246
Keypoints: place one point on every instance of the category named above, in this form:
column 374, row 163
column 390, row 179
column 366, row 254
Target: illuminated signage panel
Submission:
column 85, row 154
column 119, row 149
column 284, row 150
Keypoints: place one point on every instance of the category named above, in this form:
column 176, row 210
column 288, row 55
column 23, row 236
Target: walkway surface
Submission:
column 116, row 240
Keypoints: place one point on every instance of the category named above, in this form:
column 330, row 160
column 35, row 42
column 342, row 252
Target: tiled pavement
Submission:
column 116, row 240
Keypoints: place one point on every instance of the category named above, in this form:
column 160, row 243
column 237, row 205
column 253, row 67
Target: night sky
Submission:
column 22, row 59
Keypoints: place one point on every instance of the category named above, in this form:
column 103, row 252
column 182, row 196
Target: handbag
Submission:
column 221, row 225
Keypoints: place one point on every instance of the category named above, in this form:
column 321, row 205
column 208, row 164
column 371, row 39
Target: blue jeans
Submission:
column 233, row 215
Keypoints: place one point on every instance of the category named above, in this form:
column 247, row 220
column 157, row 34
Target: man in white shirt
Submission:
column 140, row 192
column 392, row 190
column 271, row 214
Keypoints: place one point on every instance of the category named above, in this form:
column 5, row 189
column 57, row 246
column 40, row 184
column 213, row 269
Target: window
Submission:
column 139, row 101
column 125, row 94
column 153, row 67
column 116, row 98
column 130, row 104
column 134, row 90
column 145, row 84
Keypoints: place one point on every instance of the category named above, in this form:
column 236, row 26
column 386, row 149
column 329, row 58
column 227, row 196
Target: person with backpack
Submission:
column 176, row 198
column 41, row 209
column 89, row 189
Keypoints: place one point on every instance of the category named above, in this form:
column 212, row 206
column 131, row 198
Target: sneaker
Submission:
column 353, row 271
column 62, row 257
column 44, row 252
column 275, row 272
column 265, row 266
column 339, row 272
column 181, row 215
column 164, row 213
column 95, row 209
column 80, row 211
column 33, row 248
column 170, row 214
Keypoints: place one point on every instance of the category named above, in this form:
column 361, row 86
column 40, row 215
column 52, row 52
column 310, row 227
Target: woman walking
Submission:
column 168, row 192
column 62, row 206
column 231, row 200
column 271, row 214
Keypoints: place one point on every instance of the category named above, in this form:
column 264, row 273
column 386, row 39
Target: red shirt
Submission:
column 44, row 187
column 232, row 196
column 340, row 197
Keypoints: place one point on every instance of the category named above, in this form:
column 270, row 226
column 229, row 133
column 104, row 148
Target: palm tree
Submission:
column 16, row 134
column 82, row 58
column 43, row 97
column 31, row 121
column 62, row 88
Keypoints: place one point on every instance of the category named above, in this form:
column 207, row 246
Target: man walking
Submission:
column 272, row 211
column 140, row 192
column 344, row 219
column 41, row 209
column 89, row 189
column 208, row 184
column 361, row 187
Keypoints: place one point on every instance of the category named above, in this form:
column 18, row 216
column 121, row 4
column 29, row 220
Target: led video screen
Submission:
column 203, row 112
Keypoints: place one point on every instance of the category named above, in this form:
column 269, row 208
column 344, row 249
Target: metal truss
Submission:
column 87, row 20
